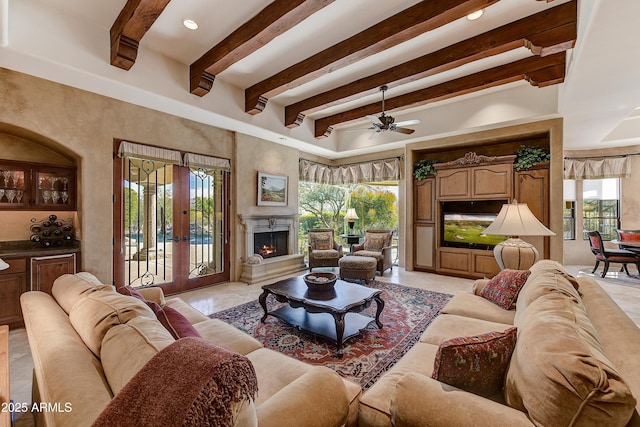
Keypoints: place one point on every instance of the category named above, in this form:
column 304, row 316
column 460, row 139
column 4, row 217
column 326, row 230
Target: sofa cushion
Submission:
column 225, row 335
column 546, row 277
column 477, row 363
column 449, row 326
column 559, row 373
column 504, row 287
column 68, row 289
column 474, row 306
column 126, row 348
column 177, row 325
column 93, row 316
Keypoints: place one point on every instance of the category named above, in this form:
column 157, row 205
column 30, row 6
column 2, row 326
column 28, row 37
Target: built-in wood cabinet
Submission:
column 46, row 269
column 425, row 224
column 36, row 186
column 467, row 262
column 13, row 283
column 424, row 193
column 468, row 179
column 36, row 273
column 532, row 188
column 484, row 180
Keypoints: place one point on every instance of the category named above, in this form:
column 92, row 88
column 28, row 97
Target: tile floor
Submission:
column 220, row 297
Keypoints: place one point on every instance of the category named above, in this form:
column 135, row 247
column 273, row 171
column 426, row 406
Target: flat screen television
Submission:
column 463, row 224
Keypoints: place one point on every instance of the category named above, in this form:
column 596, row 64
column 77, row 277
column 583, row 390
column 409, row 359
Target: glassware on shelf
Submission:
column 11, row 194
column 5, row 175
column 19, row 195
column 65, row 196
column 41, row 182
column 14, row 178
column 1, row 193
column 65, row 181
column 55, row 196
column 53, row 180
column 46, row 195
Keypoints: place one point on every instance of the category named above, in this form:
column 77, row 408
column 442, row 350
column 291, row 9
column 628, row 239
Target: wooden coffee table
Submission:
column 332, row 314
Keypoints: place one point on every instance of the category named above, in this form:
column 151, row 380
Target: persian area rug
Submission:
column 407, row 313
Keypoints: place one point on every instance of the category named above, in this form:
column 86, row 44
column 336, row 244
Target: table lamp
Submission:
column 351, row 217
column 3, row 265
column 516, row 219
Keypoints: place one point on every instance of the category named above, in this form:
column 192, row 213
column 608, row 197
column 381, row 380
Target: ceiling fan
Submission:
column 384, row 123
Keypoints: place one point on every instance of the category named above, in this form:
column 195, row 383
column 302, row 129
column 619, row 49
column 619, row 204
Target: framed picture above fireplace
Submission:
column 272, row 189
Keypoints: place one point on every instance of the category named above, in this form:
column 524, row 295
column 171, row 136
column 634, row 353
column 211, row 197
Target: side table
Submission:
column 352, row 239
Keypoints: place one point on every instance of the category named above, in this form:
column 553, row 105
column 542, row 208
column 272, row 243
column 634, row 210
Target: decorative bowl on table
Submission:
column 320, row 281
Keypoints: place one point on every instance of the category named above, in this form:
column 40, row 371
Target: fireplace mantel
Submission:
column 271, row 267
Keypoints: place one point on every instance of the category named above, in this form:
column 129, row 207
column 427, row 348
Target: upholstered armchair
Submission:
column 323, row 249
column 376, row 244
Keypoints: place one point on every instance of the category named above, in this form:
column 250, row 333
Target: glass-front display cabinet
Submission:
column 35, row 186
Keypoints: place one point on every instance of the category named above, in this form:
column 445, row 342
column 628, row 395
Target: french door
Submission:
column 171, row 223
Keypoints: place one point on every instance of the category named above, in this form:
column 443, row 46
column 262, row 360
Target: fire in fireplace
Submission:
column 271, row 244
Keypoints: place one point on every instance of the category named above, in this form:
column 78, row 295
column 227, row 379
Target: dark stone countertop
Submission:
column 27, row 248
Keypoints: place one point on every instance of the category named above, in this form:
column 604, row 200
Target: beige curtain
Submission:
column 609, row 167
column 146, row 152
column 206, row 162
column 375, row 171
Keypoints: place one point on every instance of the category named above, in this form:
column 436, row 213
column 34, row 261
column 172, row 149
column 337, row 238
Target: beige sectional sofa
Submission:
column 575, row 362
column 88, row 341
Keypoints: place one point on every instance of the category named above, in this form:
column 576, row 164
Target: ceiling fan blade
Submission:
column 375, row 120
column 375, row 134
column 408, row 123
column 403, row 130
column 358, row 129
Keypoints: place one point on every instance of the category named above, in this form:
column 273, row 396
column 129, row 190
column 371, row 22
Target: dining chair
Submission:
column 608, row 256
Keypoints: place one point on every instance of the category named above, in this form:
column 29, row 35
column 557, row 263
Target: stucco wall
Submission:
column 85, row 124
column 255, row 155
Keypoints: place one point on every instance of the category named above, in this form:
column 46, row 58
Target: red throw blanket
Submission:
column 192, row 382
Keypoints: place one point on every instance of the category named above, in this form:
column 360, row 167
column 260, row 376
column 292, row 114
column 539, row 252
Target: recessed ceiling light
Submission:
column 190, row 24
column 475, row 15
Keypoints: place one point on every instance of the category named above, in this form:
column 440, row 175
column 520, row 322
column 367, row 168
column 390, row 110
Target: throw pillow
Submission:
column 130, row 291
column 476, row 364
column 174, row 321
column 322, row 241
column 374, row 243
column 504, row 288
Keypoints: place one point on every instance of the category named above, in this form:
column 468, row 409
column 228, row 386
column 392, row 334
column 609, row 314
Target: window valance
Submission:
column 597, row 168
column 206, row 162
column 375, row 171
column 146, row 152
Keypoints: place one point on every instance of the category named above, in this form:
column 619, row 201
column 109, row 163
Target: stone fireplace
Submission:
column 275, row 239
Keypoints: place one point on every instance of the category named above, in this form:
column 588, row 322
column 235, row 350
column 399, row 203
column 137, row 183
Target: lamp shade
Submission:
column 351, row 214
column 3, row 264
column 516, row 219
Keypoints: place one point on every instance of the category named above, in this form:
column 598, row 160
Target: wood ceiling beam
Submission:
column 133, row 22
column 416, row 20
column 270, row 22
column 551, row 31
column 538, row 71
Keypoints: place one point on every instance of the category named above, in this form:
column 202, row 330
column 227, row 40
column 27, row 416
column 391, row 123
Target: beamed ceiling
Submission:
column 547, row 34
column 303, row 72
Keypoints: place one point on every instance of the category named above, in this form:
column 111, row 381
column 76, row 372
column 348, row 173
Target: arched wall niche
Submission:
column 25, row 145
